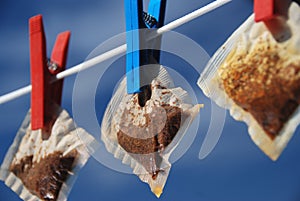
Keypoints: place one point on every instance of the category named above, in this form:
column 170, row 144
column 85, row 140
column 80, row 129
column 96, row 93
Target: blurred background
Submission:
column 235, row 170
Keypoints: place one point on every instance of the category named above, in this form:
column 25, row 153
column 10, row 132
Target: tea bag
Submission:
column 143, row 129
column 258, row 80
column 38, row 169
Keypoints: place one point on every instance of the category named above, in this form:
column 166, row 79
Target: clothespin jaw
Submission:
column 137, row 19
column 45, row 94
column 157, row 9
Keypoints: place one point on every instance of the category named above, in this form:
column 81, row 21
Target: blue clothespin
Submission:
column 137, row 19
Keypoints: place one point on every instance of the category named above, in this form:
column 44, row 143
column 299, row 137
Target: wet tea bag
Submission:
column 143, row 129
column 45, row 169
column 258, row 80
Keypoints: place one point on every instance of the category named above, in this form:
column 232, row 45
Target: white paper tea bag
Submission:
column 258, row 80
column 143, row 129
column 38, row 169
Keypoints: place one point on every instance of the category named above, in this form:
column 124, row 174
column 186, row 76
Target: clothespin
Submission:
column 45, row 94
column 274, row 14
column 137, row 19
column 264, row 10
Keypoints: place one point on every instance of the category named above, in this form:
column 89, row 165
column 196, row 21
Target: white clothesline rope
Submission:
column 116, row 51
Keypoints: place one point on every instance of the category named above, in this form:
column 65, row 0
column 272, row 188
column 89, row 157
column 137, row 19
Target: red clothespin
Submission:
column 274, row 14
column 45, row 94
column 264, row 10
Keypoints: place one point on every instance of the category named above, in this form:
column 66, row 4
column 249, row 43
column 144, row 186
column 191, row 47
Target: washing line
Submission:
column 116, row 51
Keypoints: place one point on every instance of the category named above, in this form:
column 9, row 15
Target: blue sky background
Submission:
column 236, row 169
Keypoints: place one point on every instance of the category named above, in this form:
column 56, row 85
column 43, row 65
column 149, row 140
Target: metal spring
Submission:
column 149, row 20
column 53, row 67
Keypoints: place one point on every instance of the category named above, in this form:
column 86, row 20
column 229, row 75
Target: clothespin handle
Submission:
column 133, row 24
column 59, row 59
column 39, row 75
column 44, row 94
column 157, row 9
column 264, row 10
